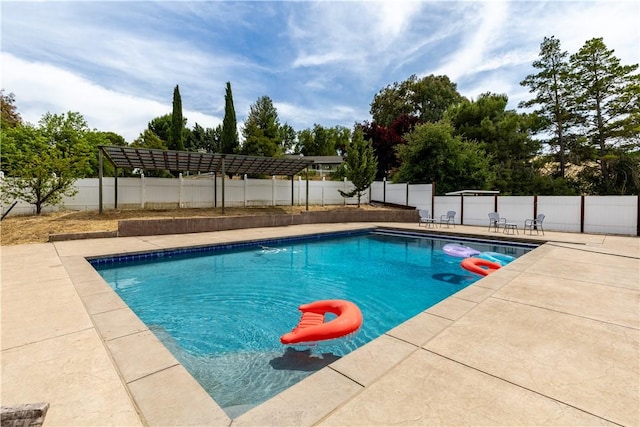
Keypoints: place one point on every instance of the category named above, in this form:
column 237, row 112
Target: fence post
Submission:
column 142, row 190
column 384, row 190
column 344, row 188
column 244, row 194
column 322, row 194
column 582, row 213
column 180, row 191
column 433, row 199
column 273, row 190
column 406, row 195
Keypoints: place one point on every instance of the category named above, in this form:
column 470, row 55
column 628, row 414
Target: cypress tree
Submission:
column 177, row 123
column 229, row 139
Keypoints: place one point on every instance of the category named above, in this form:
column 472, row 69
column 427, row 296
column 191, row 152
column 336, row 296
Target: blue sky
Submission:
column 117, row 62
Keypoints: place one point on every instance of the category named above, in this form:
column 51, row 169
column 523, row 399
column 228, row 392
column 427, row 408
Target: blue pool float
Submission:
column 501, row 259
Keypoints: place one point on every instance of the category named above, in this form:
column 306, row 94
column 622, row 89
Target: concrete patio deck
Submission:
column 551, row 339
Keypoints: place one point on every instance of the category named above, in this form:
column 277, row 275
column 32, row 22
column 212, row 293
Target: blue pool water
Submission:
column 221, row 312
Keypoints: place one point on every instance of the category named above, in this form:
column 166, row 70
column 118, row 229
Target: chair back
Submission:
column 540, row 218
column 451, row 215
column 424, row 213
column 494, row 216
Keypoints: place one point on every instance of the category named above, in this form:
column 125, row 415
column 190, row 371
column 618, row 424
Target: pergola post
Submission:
column 292, row 190
column 223, row 175
column 115, row 188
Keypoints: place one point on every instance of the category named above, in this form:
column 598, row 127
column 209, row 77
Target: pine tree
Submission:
column 261, row 130
column 552, row 96
column 229, row 139
column 360, row 165
column 607, row 100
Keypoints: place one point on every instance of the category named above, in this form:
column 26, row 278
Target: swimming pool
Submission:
column 221, row 310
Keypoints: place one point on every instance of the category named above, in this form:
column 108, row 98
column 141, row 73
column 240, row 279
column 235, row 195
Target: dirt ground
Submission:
column 17, row 230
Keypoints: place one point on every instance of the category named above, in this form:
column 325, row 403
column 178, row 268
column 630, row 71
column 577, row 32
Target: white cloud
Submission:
column 320, row 61
column 44, row 88
column 350, row 34
column 483, row 25
column 499, row 42
column 303, row 118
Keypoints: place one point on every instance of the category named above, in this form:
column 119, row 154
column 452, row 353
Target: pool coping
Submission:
column 120, row 328
column 107, row 309
column 144, row 364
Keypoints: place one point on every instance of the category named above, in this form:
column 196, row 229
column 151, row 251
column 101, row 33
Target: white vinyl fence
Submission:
column 587, row 214
column 171, row 193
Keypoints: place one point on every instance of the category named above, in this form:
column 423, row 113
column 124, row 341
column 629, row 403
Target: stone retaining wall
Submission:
column 149, row 227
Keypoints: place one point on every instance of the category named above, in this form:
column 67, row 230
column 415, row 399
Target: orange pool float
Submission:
column 479, row 266
column 313, row 328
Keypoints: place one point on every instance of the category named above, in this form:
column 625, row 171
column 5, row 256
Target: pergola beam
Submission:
column 171, row 160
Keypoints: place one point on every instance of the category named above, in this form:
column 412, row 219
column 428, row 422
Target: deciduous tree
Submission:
column 433, row 154
column 323, row 141
column 426, row 98
column 42, row 163
column 9, row 116
column 385, row 141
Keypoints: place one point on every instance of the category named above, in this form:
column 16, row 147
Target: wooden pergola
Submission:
column 192, row 161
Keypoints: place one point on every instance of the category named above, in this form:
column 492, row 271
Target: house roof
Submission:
column 325, row 160
column 154, row 159
column 472, row 192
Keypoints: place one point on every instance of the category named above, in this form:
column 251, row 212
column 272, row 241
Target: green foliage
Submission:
column 504, row 135
column 607, row 100
column 262, row 130
column 553, row 98
column 229, row 142
column 322, row 141
column 426, row 98
column 9, row 116
column 95, row 139
column 148, row 139
column 42, row 163
column 360, row 165
column 176, row 139
column 204, row 140
column 161, row 127
column 288, row 138
column 434, row 154
column 590, row 111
